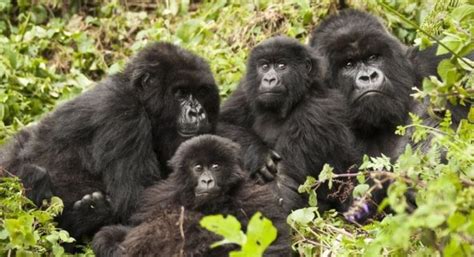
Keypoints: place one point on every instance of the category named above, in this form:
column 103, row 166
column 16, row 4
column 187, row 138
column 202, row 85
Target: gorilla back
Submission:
column 117, row 137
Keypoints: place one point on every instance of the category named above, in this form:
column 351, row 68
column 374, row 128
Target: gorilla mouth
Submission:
column 369, row 93
column 206, row 194
column 188, row 133
column 271, row 93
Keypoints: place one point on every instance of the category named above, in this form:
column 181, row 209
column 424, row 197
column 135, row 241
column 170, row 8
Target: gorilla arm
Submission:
column 235, row 123
column 315, row 133
column 123, row 154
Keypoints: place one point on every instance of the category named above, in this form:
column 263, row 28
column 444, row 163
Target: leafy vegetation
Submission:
column 443, row 222
column 51, row 51
column 260, row 233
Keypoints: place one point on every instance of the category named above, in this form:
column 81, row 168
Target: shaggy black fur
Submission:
column 376, row 73
column 207, row 179
column 116, row 138
column 287, row 122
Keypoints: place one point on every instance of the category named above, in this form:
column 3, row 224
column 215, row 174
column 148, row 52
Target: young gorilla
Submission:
column 376, row 73
column 116, row 138
column 288, row 124
column 207, row 179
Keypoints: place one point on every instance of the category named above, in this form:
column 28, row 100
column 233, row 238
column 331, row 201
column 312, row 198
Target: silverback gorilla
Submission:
column 207, row 178
column 288, row 124
column 116, row 138
column 376, row 73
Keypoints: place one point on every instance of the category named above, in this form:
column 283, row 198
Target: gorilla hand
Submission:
column 263, row 164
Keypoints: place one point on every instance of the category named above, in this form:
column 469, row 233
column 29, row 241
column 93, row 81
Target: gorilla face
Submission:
column 369, row 66
column 210, row 165
column 185, row 96
column 193, row 118
column 278, row 74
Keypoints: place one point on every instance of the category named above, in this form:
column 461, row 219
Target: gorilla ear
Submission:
column 140, row 79
column 308, row 65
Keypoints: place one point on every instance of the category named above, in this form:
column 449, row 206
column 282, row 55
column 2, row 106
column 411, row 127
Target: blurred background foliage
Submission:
column 51, row 50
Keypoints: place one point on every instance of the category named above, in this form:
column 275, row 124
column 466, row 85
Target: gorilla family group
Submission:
column 129, row 157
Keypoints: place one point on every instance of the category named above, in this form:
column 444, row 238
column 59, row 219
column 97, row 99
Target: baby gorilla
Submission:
column 207, row 178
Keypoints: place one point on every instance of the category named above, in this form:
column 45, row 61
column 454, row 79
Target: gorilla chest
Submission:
column 386, row 144
column 268, row 129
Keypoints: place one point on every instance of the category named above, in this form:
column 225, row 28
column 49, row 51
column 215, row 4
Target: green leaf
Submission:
column 462, row 12
column 456, row 220
column 360, row 190
column 302, row 216
column 260, row 234
column 228, row 227
column 326, row 174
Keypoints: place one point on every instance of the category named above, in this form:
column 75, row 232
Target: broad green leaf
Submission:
column 302, row 216
column 360, row 190
column 228, row 227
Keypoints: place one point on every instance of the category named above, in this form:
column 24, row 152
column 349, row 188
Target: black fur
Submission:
column 173, row 205
column 115, row 138
column 352, row 38
column 306, row 126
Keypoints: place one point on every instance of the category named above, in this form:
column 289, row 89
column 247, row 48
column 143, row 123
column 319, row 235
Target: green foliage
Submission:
column 52, row 50
column 45, row 59
column 442, row 176
column 260, row 233
column 25, row 230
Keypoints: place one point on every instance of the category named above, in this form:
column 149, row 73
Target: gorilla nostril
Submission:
column 364, row 78
column 192, row 113
column 207, row 181
column 374, row 75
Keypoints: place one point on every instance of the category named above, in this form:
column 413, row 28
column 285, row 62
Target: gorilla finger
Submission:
column 266, row 174
column 275, row 156
column 77, row 205
column 87, row 197
column 97, row 196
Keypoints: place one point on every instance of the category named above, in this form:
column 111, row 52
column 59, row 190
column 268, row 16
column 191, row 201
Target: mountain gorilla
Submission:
column 376, row 73
column 207, row 178
column 116, row 138
column 288, row 124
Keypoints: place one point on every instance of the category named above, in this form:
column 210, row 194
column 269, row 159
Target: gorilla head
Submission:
column 369, row 66
column 278, row 74
column 184, row 97
column 208, row 167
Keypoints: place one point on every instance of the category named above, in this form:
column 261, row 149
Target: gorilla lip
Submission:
column 187, row 134
column 368, row 93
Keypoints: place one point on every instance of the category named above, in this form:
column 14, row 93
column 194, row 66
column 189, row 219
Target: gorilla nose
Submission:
column 196, row 114
column 270, row 81
column 208, row 183
column 369, row 78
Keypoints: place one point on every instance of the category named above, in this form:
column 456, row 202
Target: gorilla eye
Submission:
column 215, row 167
column 265, row 66
column 373, row 57
column 197, row 168
column 178, row 93
column 281, row 66
column 349, row 64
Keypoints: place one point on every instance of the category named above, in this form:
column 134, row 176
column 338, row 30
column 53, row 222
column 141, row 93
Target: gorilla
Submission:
column 287, row 122
column 114, row 140
column 376, row 74
column 207, row 178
